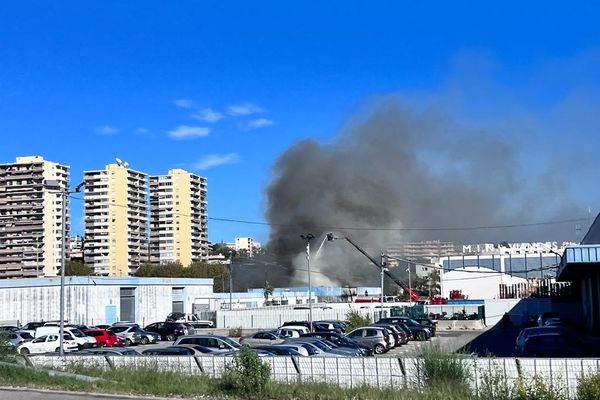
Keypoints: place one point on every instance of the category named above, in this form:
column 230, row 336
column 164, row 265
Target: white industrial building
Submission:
column 102, row 300
column 477, row 282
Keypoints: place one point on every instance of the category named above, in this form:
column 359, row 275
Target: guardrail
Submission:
column 347, row 371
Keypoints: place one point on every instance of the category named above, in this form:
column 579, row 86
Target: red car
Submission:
column 104, row 338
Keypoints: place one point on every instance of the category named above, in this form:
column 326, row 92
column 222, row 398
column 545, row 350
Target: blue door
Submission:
column 111, row 314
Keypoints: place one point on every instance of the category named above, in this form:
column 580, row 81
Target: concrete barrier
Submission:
column 460, row 325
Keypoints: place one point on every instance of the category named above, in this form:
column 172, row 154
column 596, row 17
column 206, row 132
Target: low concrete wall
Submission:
column 459, row 325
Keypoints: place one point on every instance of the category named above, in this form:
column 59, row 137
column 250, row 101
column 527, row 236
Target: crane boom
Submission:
column 413, row 295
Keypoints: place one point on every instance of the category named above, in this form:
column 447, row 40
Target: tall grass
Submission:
column 442, row 368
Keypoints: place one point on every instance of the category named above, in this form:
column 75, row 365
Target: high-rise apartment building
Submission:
column 178, row 218
column 31, row 217
column 116, row 218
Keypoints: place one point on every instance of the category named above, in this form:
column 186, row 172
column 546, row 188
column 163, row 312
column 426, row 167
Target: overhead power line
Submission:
column 404, row 229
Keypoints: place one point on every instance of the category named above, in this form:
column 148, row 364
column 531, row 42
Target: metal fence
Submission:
column 561, row 374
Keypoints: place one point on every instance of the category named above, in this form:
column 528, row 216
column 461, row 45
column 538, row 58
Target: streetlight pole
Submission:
column 307, row 238
column 382, row 275
column 64, row 192
column 409, row 285
column 231, row 283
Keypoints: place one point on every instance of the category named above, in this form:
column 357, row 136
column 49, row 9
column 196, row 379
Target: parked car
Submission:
column 340, row 326
column 302, row 325
column 30, row 327
column 48, row 344
column 168, row 330
column 290, row 332
column 330, row 347
column 17, row 338
column 105, row 338
column 299, row 348
column 323, row 326
column 261, row 339
column 546, row 316
column 189, row 318
column 199, row 349
column 527, row 332
column 9, row 328
column 553, row 322
column 127, row 333
column 428, row 323
column 169, row 351
column 418, row 331
column 315, row 349
column 113, row 351
column 218, row 343
column 399, row 335
column 83, row 341
column 375, row 338
column 553, row 345
column 279, row 350
column 340, row 340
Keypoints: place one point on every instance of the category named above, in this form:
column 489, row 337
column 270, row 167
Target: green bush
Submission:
column 536, row 389
column 6, row 349
column 354, row 320
column 443, row 368
column 247, row 374
column 589, row 387
column 495, row 386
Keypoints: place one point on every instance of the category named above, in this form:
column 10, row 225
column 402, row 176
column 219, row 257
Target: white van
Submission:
column 82, row 340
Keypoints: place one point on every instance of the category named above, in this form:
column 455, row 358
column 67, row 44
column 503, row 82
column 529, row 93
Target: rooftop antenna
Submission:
column 119, row 162
column 126, row 164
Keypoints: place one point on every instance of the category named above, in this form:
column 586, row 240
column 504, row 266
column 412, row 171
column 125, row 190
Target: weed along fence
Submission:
column 561, row 374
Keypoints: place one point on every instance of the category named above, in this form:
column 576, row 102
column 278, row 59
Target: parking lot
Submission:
column 451, row 340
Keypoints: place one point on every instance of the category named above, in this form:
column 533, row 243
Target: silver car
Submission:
column 372, row 337
column 17, row 338
column 262, row 339
column 133, row 334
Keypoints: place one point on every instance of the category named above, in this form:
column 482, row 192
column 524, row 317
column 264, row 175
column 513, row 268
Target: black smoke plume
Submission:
column 392, row 167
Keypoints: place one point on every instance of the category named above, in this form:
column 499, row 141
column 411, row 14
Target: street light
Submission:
column 54, row 185
column 307, row 238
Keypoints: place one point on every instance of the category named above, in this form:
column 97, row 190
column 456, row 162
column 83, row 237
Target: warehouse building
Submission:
column 102, row 300
column 581, row 266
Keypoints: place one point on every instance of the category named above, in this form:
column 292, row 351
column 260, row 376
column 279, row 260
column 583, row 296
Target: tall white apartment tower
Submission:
column 116, row 220
column 31, row 217
column 178, row 218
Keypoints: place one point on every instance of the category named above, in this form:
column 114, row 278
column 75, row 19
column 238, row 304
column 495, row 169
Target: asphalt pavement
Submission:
column 33, row 394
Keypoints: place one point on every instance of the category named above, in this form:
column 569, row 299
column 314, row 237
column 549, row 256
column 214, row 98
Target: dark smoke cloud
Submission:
column 396, row 167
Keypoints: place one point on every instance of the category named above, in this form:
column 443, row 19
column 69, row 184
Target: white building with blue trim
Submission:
column 102, row 300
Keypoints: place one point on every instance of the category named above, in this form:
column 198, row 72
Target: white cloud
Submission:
column 107, row 130
column 208, row 115
column 141, row 131
column 185, row 131
column 260, row 123
column 184, row 103
column 244, row 109
column 215, row 160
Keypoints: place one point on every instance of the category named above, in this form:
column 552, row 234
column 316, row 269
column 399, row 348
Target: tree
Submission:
column 221, row 248
column 198, row 269
column 267, row 290
column 77, row 268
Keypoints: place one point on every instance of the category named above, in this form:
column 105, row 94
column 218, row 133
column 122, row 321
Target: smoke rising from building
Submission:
column 395, row 167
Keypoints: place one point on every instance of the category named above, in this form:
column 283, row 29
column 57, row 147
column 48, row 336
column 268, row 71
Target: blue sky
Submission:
column 221, row 88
